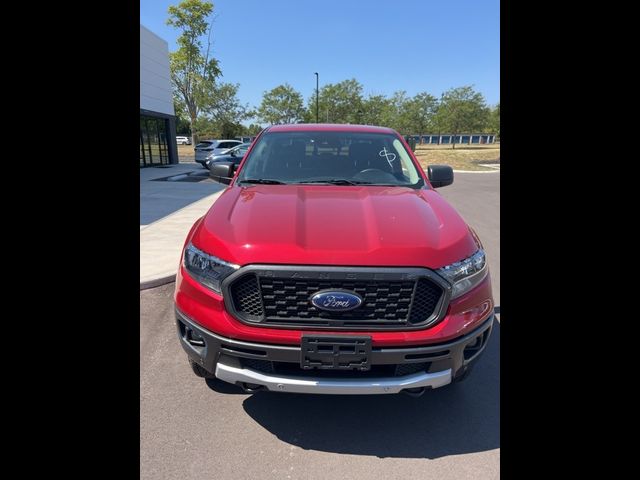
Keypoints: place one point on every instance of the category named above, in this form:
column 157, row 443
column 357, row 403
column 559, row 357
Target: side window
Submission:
column 257, row 161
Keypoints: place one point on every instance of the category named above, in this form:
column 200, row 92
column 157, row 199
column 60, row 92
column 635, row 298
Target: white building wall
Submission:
column 155, row 83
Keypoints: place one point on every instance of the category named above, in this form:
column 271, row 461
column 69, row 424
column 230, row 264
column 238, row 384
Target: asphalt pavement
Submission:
column 476, row 196
column 161, row 198
column 192, row 429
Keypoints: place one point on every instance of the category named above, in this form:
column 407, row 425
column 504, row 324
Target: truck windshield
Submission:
column 332, row 158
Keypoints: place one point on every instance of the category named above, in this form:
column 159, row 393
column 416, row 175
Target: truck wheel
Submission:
column 200, row 371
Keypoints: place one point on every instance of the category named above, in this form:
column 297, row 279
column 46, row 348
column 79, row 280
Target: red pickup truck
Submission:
column 331, row 265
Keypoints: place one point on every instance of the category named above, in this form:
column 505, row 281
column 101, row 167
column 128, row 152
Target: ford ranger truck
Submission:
column 331, row 265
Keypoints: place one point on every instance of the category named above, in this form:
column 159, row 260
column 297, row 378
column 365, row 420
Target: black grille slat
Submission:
column 281, row 301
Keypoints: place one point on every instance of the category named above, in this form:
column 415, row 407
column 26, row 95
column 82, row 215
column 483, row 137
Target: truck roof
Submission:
column 336, row 127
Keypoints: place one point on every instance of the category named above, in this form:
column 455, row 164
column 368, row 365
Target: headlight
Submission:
column 207, row 269
column 210, row 156
column 466, row 274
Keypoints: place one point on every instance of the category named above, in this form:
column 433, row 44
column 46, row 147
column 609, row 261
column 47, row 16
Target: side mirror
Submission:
column 440, row 175
column 222, row 172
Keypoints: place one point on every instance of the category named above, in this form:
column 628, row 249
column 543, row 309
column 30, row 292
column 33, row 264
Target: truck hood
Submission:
column 334, row 225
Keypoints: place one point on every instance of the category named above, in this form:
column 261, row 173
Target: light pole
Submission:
column 317, row 98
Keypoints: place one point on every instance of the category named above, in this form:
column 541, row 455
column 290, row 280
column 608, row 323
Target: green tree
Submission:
column 193, row 72
column 183, row 126
column 377, row 110
column 419, row 113
column 253, row 129
column 205, row 127
column 283, row 104
column 397, row 117
column 462, row 110
column 338, row 103
column 224, row 105
column 229, row 129
column 494, row 121
column 221, row 117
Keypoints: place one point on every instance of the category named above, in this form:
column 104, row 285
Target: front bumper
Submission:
column 243, row 363
column 231, row 371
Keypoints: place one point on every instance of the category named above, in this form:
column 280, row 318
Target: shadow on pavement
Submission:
column 456, row 419
column 223, row 387
column 161, row 198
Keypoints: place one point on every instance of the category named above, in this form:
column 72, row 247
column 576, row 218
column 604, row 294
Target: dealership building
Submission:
column 157, row 117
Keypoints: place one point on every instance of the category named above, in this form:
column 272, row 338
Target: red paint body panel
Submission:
column 332, row 225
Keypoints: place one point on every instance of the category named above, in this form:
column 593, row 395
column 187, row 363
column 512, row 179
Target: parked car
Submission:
column 209, row 148
column 331, row 265
column 245, row 139
column 183, row 140
column 235, row 155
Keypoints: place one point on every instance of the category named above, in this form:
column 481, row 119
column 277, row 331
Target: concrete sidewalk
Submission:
column 161, row 242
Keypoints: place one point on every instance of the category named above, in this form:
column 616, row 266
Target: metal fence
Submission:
column 447, row 139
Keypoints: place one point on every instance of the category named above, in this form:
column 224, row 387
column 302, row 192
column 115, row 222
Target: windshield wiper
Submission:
column 337, row 181
column 263, row 181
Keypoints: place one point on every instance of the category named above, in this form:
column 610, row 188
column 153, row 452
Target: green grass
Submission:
column 186, row 153
column 463, row 157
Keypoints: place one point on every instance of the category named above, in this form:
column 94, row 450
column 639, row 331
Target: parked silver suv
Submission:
column 209, row 148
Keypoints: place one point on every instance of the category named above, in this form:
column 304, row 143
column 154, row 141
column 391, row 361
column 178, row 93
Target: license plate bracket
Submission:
column 331, row 352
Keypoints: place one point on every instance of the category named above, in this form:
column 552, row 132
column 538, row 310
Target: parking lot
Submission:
column 191, row 429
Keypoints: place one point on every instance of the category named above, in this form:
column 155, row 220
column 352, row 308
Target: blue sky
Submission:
column 412, row 45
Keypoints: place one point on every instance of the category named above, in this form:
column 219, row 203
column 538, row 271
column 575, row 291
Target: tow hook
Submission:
column 251, row 387
column 414, row 392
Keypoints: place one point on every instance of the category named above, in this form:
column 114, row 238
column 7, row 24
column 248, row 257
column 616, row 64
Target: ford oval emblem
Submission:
column 336, row 300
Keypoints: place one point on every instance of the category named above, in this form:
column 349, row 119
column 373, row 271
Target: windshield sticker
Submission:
column 390, row 156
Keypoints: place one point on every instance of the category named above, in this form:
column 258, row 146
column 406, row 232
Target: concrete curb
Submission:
column 157, row 282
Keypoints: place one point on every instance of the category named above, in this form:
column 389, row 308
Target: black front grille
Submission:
column 285, row 302
column 287, row 299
